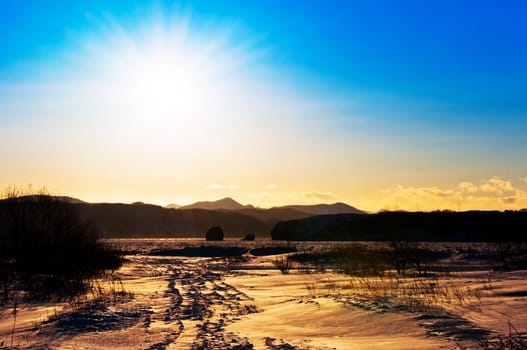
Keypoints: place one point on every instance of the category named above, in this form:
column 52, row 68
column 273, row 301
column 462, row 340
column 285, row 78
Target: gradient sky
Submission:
column 414, row 105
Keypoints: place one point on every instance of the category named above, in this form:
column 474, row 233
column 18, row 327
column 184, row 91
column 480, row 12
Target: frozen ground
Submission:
column 165, row 297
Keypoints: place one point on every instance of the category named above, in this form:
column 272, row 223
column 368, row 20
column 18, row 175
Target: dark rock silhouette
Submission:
column 249, row 237
column 214, row 234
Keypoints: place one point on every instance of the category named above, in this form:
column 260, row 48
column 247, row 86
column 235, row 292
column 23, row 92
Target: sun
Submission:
column 161, row 74
column 168, row 84
column 167, row 80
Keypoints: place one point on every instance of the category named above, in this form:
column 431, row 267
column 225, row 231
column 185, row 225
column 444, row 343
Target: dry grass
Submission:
column 513, row 340
column 107, row 291
column 395, row 292
column 283, row 263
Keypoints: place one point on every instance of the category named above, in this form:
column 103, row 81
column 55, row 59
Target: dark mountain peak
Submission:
column 322, row 209
column 226, row 203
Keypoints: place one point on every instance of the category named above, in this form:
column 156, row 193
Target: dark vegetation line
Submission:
column 471, row 226
column 46, row 250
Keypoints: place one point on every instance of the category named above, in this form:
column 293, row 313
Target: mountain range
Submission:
column 230, row 204
column 140, row 219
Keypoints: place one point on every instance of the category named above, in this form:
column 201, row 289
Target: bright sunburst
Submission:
column 162, row 73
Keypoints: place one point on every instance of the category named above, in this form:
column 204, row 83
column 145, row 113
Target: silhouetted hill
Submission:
column 145, row 220
column 418, row 226
column 524, row 210
column 173, row 206
column 151, row 220
column 272, row 215
column 225, row 203
column 324, row 209
column 35, row 197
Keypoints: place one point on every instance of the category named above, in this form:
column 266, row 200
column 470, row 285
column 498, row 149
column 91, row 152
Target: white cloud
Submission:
column 222, row 187
column 467, row 187
column 497, row 185
column 493, row 193
column 320, row 195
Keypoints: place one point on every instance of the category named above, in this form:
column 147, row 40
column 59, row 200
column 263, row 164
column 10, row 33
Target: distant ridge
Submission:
column 222, row 204
column 315, row 209
column 34, row 197
column 270, row 216
column 325, row 209
column 172, row 206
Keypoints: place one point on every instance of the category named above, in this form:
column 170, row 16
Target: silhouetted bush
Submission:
column 511, row 256
column 355, row 259
column 46, row 250
column 214, row 234
column 408, row 254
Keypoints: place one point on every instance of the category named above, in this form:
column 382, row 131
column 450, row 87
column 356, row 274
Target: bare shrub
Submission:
column 411, row 255
column 311, row 289
column 47, row 251
column 283, row 263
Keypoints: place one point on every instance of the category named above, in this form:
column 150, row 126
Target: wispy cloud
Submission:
column 320, row 195
column 267, row 197
column 271, row 186
column 222, row 187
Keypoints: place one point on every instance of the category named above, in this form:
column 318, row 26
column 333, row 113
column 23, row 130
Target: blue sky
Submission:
column 468, row 55
column 441, row 83
column 431, row 50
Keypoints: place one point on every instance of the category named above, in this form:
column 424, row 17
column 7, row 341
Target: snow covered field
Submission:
column 167, row 296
